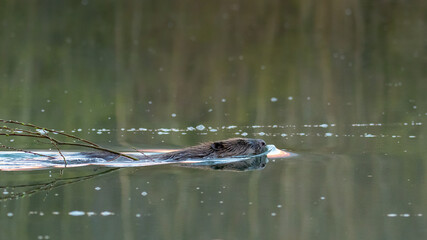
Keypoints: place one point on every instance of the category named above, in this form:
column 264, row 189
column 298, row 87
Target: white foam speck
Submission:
column 273, row 99
column 144, row 194
column 90, row 214
column 76, row 213
column 200, row 127
column 106, row 213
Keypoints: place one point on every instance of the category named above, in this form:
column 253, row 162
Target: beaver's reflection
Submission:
column 246, row 164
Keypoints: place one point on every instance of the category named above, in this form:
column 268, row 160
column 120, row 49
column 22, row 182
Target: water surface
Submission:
column 341, row 84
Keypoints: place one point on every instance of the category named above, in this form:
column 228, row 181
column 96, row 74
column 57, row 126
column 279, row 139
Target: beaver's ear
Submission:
column 217, row 146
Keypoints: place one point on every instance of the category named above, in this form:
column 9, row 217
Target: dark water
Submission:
column 342, row 84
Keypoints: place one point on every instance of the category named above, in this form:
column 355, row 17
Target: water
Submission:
column 341, row 84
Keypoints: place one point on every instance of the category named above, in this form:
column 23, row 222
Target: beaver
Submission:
column 219, row 149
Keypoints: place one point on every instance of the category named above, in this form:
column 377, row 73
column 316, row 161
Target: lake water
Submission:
column 340, row 84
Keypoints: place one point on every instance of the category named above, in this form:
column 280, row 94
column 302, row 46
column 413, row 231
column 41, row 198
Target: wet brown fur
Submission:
column 219, row 149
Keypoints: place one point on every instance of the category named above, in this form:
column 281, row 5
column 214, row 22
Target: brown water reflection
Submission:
column 343, row 82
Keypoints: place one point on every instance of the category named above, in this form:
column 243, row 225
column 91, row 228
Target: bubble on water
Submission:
column 244, row 134
column 273, row 99
column 279, row 206
column 223, row 100
column 290, row 98
column 144, row 194
column 173, row 115
column 137, row 215
column 42, row 110
column 76, row 213
column 107, row 213
column 10, row 214
column 97, row 188
column 328, row 134
column 200, row 127
column 322, row 198
column 90, row 214
column 273, row 214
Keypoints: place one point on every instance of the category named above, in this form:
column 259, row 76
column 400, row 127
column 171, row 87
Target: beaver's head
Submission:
column 238, row 147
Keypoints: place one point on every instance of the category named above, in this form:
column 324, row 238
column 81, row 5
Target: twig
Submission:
column 26, row 151
column 48, row 130
column 43, row 133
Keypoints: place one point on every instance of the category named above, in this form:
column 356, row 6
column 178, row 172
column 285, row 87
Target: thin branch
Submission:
column 26, row 151
column 26, row 133
column 48, row 130
column 59, row 151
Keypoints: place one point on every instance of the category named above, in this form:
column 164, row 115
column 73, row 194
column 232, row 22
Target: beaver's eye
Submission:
column 263, row 143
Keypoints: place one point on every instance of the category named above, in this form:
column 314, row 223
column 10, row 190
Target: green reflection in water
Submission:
column 102, row 64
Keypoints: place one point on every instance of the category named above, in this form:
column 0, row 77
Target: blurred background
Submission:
column 341, row 83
